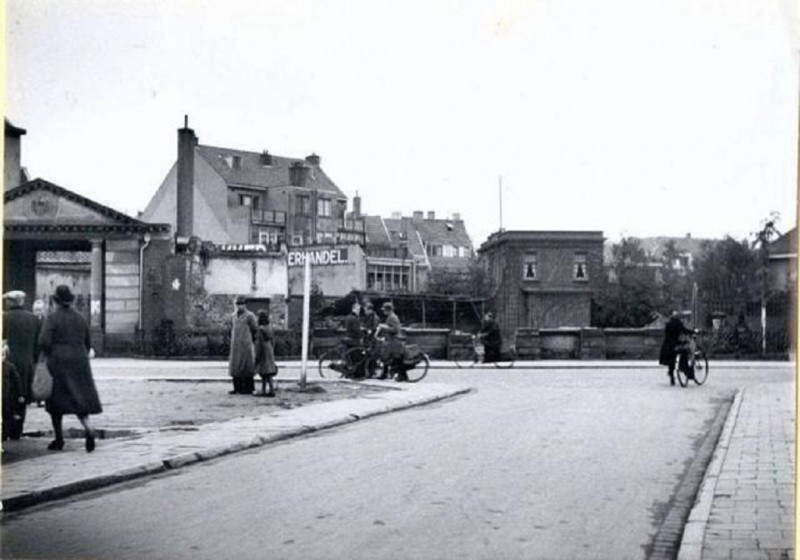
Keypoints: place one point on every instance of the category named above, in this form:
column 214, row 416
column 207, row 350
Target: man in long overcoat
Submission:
column 21, row 330
column 672, row 339
column 241, row 365
column 394, row 347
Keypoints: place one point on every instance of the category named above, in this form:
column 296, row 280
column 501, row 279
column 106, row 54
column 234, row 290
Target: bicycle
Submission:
column 368, row 360
column 476, row 353
column 697, row 363
column 334, row 364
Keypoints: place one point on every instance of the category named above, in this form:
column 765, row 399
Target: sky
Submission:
column 637, row 118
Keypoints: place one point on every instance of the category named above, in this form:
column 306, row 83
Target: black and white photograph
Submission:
column 380, row 280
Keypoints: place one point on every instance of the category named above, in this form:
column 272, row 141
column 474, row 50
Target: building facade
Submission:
column 405, row 253
column 543, row 279
column 230, row 196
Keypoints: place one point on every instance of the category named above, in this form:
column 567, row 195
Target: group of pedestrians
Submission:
column 61, row 341
column 385, row 339
column 252, row 351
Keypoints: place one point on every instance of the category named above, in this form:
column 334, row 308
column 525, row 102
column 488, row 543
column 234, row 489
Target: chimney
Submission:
column 456, row 217
column 417, row 215
column 298, row 174
column 396, row 215
column 12, row 172
column 356, row 206
column 431, row 215
column 266, row 158
column 186, row 144
column 313, row 159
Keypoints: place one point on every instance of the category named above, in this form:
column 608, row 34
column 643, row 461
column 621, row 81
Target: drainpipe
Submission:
column 141, row 277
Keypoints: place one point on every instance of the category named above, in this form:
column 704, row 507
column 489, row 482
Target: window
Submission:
column 449, row 251
column 236, row 162
column 266, row 237
column 530, row 266
column 324, row 207
column 303, row 205
column 249, row 200
column 581, row 273
column 463, row 252
column 388, row 277
column 434, row 250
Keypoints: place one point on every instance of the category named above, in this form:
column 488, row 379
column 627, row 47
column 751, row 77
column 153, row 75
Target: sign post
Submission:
column 306, row 320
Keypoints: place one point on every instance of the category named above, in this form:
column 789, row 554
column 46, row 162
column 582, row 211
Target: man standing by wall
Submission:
column 21, row 330
column 241, row 364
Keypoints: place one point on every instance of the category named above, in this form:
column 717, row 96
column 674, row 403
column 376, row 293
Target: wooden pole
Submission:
column 306, row 320
column 424, row 322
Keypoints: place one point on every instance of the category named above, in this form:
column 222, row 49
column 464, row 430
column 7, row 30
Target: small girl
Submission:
column 265, row 354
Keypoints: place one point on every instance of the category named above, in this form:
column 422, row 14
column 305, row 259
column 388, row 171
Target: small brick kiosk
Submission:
column 543, row 279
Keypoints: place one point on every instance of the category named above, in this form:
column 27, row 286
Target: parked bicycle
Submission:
column 334, row 363
column 696, row 363
column 475, row 355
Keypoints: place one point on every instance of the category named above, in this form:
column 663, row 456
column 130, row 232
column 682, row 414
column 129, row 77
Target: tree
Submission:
column 631, row 296
column 726, row 275
column 471, row 281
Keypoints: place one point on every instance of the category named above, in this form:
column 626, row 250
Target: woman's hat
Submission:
column 63, row 294
column 388, row 306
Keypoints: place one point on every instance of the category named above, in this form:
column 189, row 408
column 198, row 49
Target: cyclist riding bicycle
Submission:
column 491, row 338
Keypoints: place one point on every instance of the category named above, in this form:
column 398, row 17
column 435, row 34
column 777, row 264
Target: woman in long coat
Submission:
column 241, row 364
column 265, row 354
column 65, row 342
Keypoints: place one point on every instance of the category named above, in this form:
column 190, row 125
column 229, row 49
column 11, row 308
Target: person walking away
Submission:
column 21, row 329
column 13, row 399
column 352, row 333
column 265, row 354
column 241, row 364
column 393, row 349
column 669, row 348
column 491, row 338
column 66, row 344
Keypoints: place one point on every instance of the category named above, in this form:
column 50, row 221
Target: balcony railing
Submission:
column 269, row 217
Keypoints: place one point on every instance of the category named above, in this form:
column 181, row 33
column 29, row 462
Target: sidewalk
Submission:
column 745, row 506
column 55, row 475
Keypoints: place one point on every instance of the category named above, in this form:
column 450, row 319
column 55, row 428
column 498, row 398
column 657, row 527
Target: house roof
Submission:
column 254, row 174
column 123, row 221
column 785, row 245
column 12, row 130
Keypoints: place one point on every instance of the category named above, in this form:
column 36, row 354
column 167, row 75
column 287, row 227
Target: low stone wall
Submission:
column 588, row 344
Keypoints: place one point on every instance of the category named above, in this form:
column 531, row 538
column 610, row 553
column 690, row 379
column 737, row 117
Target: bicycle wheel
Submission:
column 467, row 361
column 683, row 379
column 354, row 363
column 507, row 359
column 419, row 371
column 331, row 364
column 700, row 367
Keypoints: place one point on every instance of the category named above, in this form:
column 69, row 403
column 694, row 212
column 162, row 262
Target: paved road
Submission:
column 535, row 464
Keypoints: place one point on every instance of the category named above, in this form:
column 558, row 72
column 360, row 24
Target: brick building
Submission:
column 231, row 196
column 543, row 279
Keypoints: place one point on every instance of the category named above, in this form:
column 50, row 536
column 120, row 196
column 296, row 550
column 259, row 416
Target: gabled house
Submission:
column 231, row 196
column 783, row 262
column 403, row 251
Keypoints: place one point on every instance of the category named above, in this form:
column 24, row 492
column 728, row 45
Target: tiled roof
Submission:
column 786, row 244
column 376, row 232
column 254, row 174
column 442, row 232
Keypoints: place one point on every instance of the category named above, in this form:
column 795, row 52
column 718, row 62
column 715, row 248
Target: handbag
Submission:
column 42, row 386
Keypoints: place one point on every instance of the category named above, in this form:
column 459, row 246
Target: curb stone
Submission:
column 267, row 436
column 691, row 547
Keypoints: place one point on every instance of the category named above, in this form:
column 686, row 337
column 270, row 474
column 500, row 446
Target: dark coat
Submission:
column 265, row 352
column 21, row 329
column 393, row 349
column 13, row 408
column 490, row 334
column 672, row 339
column 65, row 342
column 242, row 357
column 352, row 330
column 371, row 322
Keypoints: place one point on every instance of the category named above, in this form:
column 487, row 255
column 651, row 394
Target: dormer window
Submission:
column 236, row 162
column 581, row 274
